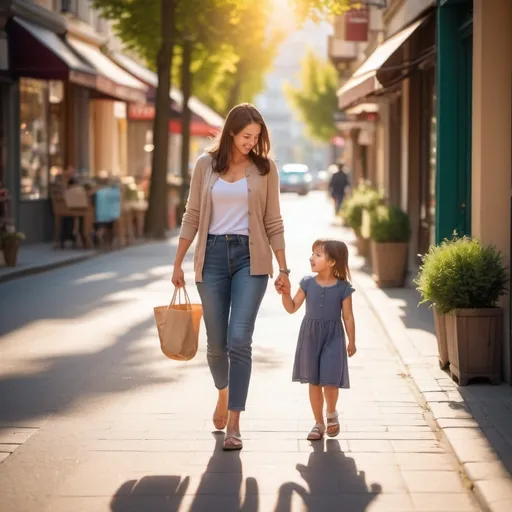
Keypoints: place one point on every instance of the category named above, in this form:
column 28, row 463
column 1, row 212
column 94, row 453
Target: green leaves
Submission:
column 389, row 224
column 364, row 197
column 462, row 273
column 233, row 49
column 315, row 100
column 317, row 10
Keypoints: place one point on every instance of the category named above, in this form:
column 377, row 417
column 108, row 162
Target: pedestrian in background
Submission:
column 337, row 187
column 233, row 208
column 321, row 355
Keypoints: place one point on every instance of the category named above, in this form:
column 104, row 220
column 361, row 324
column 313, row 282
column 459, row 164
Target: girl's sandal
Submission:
column 333, row 424
column 317, row 432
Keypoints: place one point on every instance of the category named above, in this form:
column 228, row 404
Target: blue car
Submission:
column 295, row 178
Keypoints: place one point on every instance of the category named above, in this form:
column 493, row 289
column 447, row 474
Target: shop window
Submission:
column 41, row 125
column 34, row 139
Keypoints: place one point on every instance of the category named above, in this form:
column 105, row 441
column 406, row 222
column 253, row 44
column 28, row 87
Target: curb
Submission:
column 39, row 269
column 479, row 463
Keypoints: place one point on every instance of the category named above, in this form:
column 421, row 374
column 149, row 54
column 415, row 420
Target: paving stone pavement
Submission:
column 128, row 430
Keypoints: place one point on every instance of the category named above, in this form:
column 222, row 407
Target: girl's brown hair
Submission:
column 336, row 251
column 238, row 118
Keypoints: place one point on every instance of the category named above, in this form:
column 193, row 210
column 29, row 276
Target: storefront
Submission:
column 107, row 116
column 44, row 70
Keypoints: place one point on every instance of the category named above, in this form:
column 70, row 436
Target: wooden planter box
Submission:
column 363, row 246
column 389, row 264
column 442, row 344
column 475, row 338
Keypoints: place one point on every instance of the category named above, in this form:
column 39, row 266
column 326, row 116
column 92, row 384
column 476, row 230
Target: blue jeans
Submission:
column 231, row 298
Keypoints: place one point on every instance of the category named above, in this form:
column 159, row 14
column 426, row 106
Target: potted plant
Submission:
column 390, row 232
column 10, row 244
column 471, row 280
column 430, row 277
column 363, row 199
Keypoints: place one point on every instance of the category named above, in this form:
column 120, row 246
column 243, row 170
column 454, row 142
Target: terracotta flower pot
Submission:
column 442, row 343
column 475, row 338
column 10, row 249
column 389, row 264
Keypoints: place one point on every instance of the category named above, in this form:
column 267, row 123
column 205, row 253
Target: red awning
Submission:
column 198, row 128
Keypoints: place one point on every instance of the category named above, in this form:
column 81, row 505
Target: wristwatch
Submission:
column 285, row 271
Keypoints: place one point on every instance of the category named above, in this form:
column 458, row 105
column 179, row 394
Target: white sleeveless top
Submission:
column 230, row 208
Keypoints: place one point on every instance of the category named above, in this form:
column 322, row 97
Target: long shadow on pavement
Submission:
column 219, row 489
column 73, row 292
column 333, row 483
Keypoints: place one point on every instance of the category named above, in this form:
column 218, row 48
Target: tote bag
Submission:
column 178, row 326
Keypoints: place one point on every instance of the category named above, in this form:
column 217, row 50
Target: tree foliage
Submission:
column 247, row 55
column 318, row 9
column 315, row 99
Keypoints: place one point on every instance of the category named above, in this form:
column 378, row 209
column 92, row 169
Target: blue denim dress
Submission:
column 321, row 355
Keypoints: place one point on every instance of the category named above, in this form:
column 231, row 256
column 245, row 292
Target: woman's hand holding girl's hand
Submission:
column 351, row 349
column 282, row 284
column 178, row 277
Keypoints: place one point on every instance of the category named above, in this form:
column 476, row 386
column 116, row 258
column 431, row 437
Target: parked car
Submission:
column 295, row 178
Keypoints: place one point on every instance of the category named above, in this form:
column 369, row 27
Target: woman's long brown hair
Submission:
column 238, row 118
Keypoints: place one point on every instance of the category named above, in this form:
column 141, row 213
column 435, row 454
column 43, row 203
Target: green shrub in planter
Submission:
column 460, row 274
column 464, row 280
column 389, row 224
column 363, row 197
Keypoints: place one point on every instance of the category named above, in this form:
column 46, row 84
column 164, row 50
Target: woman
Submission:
column 233, row 207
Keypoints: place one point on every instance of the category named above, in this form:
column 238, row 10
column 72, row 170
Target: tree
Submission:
column 135, row 22
column 315, row 99
column 206, row 36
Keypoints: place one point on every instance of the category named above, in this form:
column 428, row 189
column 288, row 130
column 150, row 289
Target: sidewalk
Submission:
column 127, row 430
column 476, row 420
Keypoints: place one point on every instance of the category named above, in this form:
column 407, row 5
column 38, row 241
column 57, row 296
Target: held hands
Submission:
column 178, row 277
column 282, row 284
column 351, row 349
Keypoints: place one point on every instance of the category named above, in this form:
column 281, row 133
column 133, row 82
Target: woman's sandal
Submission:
column 317, row 432
column 333, row 424
column 232, row 443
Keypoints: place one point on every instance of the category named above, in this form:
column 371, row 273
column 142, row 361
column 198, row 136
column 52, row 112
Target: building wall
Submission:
column 492, row 134
column 401, row 12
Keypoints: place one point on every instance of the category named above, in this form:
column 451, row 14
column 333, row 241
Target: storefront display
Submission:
column 41, row 151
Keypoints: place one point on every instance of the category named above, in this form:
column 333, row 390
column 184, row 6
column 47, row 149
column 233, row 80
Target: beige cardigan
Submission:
column 266, row 228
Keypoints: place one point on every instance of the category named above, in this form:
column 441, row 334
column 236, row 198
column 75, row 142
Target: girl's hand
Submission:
column 351, row 349
column 178, row 277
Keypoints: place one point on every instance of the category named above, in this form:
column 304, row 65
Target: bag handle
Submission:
column 177, row 291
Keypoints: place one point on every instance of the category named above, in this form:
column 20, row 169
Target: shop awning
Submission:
column 112, row 80
column 364, row 81
column 37, row 52
column 204, row 119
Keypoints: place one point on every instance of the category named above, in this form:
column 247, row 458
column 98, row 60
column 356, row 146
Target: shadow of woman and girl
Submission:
column 332, row 483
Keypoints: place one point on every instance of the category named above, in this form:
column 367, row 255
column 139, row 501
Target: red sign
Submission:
column 140, row 112
column 356, row 24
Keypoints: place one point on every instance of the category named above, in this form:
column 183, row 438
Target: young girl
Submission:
column 320, row 358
